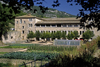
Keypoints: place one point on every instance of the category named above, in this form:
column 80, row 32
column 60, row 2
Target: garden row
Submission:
column 51, row 48
column 37, row 47
column 30, row 55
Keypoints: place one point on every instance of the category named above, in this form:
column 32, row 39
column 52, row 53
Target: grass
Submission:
column 3, row 52
column 17, row 46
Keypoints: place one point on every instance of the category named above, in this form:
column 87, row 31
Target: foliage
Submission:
column 98, row 41
column 52, row 35
column 51, row 48
column 18, row 46
column 30, row 35
column 70, row 35
column 38, row 35
column 58, row 34
column 5, row 15
column 43, row 35
column 47, row 35
column 63, row 35
column 88, row 34
column 29, row 55
column 6, row 65
column 76, row 34
column 90, row 46
column 83, row 60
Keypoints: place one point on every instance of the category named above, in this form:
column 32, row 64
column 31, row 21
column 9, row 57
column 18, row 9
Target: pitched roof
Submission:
column 26, row 16
column 58, row 21
column 73, row 18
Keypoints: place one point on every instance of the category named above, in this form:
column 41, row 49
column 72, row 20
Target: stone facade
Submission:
column 11, row 37
column 27, row 23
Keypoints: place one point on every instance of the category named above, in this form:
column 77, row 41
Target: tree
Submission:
column 58, row 34
column 43, row 35
column 30, row 35
column 63, row 35
column 52, row 35
column 5, row 15
column 70, row 35
column 47, row 35
column 88, row 34
column 37, row 35
column 76, row 34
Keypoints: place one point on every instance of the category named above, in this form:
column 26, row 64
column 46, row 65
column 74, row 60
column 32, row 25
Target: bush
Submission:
column 89, row 46
column 83, row 60
column 98, row 41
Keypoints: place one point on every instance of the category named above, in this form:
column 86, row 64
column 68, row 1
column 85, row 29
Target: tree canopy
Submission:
column 88, row 34
column 5, row 15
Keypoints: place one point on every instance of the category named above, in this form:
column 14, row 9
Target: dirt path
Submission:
column 11, row 49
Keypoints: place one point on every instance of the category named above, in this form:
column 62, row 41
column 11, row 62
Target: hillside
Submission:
column 50, row 13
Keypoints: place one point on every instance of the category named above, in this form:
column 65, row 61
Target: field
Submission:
column 41, row 52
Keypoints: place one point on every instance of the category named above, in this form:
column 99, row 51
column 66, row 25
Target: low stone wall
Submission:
column 11, row 37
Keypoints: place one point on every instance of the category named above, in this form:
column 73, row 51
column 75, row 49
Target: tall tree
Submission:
column 58, row 34
column 63, row 35
column 70, row 35
column 76, row 34
column 37, row 35
column 5, row 15
column 30, row 35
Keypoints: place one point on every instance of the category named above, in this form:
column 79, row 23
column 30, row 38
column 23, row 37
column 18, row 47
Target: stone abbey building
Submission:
column 25, row 24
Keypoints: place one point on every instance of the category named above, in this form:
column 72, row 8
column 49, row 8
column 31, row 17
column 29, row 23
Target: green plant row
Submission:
column 29, row 55
column 18, row 46
column 51, row 48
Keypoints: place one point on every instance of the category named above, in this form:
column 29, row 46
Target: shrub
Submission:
column 83, row 60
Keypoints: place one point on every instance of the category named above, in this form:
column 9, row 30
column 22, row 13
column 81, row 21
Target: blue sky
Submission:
column 64, row 6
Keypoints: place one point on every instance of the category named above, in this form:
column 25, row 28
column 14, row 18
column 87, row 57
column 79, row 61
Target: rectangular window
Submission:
column 31, row 25
column 53, row 25
column 80, row 32
column 22, row 27
column 58, row 25
column 47, row 25
column 23, row 31
column 76, row 25
column 42, row 25
column 17, row 22
column 30, row 19
column 83, row 31
column 24, row 22
column 20, row 20
column 70, row 25
column 64, row 25
column 37, row 25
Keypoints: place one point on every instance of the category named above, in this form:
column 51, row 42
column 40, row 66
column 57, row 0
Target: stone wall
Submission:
column 11, row 37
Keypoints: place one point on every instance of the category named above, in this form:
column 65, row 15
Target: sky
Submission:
column 64, row 6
